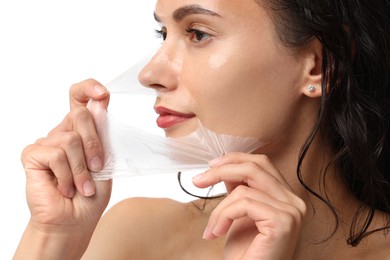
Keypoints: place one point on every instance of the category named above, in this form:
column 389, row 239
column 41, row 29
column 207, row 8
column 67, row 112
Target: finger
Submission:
column 277, row 230
column 271, row 219
column 80, row 120
column 260, row 159
column 37, row 158
column 220, row 223
column 82, row 92
column 71, row 144
column 85, row 126
column 243, row 193
column 246, row 192
column 248, row 173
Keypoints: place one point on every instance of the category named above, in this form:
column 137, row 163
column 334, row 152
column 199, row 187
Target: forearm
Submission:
column 36, row 244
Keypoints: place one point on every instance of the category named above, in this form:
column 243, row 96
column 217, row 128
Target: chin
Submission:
column 182, row 129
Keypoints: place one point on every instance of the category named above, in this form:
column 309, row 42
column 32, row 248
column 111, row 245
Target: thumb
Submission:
column 81, row 93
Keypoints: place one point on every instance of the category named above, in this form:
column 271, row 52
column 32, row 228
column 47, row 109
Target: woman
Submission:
column 310, row 79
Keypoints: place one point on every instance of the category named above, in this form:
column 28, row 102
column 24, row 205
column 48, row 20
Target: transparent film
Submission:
column 134, row 145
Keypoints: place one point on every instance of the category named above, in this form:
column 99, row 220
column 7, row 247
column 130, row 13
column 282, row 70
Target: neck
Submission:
column 321, row 227
column 315, row 172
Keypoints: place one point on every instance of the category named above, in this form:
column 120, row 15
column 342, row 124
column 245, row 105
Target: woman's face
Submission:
column 222, row 63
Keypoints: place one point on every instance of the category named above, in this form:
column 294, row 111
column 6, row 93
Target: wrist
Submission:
column 37, row 243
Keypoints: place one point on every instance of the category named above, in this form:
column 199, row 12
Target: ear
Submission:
column 312, row 78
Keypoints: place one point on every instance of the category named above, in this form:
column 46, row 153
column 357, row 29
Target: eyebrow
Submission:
column 180, row 13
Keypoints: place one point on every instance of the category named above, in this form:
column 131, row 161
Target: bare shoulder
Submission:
column 126, row 226
column 141, row 226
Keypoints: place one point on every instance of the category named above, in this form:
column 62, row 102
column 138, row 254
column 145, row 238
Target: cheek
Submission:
column 228, row 98
column 217, row 61
column 243, row 93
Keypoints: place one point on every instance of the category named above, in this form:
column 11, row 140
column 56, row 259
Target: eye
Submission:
column 161, row 34
column 197, row 36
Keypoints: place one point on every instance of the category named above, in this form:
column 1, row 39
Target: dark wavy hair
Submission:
column 354, row 116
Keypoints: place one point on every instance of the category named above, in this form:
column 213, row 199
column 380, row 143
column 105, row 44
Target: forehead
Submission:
column 227, row 9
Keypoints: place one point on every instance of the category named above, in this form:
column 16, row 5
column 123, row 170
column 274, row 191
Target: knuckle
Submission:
column 79, row 169
column 40, row 140
column 71, row 139
column 263, row 159
column 247, row 202
column 287, row 223
column 253, row 170
column 302, row 207
column 240, row 191
column 289, row 218
column 80, row 113
column 26, row 152
column 299, row 206
column 92, row 144
column 254, row 166
column 58, row 156
column 292, row 217
column 82, row 84
column 73, row 87
column 296, row 215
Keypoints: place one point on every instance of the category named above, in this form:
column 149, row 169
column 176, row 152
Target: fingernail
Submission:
column 207, row 234
column 100, row 90
column 215, row 161
column 96, row 164
column 198, row 177
column 88, row 188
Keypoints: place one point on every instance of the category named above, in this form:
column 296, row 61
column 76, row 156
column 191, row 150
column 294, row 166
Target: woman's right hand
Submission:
column 61, row 194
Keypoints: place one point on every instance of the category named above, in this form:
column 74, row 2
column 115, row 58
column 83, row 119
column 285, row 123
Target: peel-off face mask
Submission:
column 134, row 145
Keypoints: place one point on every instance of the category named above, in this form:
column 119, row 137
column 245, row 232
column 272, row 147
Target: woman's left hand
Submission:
column 261, row 216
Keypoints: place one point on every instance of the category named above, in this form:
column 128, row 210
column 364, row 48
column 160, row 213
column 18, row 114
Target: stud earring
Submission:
column 311, row 88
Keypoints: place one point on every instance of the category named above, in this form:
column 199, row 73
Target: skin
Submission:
column 262, row 88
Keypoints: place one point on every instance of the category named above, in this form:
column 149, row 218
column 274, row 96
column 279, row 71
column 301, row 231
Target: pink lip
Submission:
column 168, row 118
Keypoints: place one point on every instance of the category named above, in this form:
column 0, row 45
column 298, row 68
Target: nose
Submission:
column 162, row 71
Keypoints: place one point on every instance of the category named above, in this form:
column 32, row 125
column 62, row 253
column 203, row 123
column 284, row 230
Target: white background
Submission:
column 45, row 47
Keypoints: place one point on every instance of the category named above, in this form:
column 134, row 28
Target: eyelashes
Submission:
column 160, row 34
column 195, row 35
